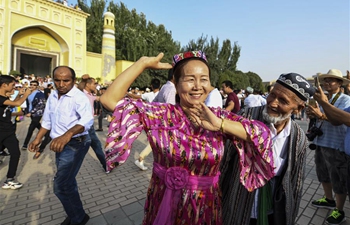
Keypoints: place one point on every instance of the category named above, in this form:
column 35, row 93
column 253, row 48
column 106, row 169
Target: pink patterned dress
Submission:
column 184, row 185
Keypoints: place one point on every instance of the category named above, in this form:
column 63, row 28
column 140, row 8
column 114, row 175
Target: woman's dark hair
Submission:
column 170, row 74
column 6, row 79
column 178, row 67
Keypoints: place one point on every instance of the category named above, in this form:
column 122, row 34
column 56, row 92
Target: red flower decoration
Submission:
column 188, row 55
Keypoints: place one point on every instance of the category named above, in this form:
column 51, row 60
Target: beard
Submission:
column 274, row 119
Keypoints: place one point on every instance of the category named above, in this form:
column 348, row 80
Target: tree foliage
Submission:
column 94, row 23
column 222, row 61
column 136, row 36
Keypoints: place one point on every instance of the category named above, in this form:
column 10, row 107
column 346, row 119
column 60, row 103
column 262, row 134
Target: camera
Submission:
column 312, row 146
column 314, row 132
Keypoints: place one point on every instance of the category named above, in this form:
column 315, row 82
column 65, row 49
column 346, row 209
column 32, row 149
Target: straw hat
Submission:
column 334, row 73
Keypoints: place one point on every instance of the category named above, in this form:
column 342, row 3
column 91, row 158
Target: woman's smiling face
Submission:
column 194, row 84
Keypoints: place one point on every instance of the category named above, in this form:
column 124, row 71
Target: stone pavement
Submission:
column 109, row 199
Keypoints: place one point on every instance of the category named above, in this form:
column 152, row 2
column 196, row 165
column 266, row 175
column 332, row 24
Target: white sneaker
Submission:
column 140, row 165
column 12, row 185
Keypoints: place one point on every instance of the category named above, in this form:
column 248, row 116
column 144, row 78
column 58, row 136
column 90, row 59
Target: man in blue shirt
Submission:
column 36, row 105
column 330, row 158
column 68, row 117
column 337, row 117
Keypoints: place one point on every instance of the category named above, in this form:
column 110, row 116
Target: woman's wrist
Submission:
column 143, row 63
column 222, row 125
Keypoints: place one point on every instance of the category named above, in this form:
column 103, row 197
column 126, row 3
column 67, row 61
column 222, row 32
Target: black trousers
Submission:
column 100, row 117
column 9, row 140
column 35, row 123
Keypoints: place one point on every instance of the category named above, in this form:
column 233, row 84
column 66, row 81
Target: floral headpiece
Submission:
column 187, row 55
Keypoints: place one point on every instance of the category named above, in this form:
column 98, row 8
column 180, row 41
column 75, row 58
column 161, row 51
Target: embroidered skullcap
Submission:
column 297, row 84
column 188, row 55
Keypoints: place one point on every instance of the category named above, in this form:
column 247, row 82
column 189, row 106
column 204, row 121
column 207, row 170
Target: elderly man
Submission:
column 330, row 159
column 68, row 117
column 278, row 201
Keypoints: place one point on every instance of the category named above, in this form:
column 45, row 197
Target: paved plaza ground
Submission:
column 109, row 199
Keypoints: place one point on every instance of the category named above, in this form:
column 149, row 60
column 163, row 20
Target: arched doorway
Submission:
column 36, row 51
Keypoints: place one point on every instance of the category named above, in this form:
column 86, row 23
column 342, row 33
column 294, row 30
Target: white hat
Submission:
column 334, row 73
column 249, row 90
column 18, row 85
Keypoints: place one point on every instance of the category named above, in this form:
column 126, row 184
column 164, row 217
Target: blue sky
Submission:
column 302, row 36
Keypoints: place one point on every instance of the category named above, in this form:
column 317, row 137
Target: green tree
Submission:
column 94, row 23
column 255, row 81
column 14, row 73
column 220, row 60
column 136, row 36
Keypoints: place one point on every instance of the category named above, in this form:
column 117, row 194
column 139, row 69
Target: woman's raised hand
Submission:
column 155, row 62
column 205, row 118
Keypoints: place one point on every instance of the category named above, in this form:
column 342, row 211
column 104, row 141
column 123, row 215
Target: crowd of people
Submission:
column 220, row 156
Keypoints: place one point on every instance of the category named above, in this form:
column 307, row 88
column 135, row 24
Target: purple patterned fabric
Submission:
column 175, row 179
column 176, row 142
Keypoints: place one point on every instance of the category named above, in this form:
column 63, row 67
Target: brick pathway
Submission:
column 114, row 199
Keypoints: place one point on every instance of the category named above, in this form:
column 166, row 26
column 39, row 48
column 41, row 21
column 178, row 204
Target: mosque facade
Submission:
column 38, row 35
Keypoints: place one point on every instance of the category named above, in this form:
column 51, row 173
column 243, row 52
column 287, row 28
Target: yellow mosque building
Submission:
column 38, row 35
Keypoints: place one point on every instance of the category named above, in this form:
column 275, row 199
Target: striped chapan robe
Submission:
column 237, row 201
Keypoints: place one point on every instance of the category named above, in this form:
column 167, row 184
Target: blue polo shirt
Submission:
column 347, row 136
column 334, row 136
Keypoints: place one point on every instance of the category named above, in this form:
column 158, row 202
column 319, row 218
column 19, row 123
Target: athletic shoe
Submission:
column 12, row 184
column 140, row 165
column 337, row 217
column 4, row 153
column 324, row 203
